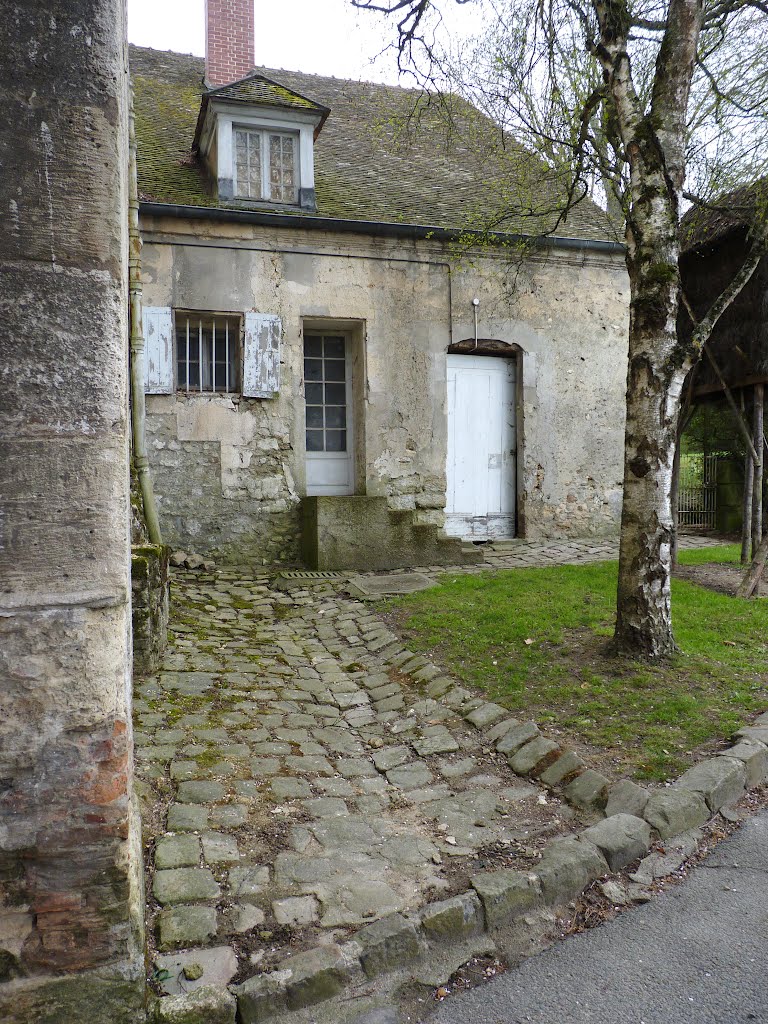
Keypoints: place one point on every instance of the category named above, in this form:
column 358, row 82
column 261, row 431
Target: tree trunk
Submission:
column 757, row 490
column 752, row 575
column 675, row 497
column 655, row 378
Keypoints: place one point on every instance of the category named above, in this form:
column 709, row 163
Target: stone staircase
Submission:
column 361, row 532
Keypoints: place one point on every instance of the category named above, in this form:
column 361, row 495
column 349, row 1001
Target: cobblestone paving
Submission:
column 302, row 773
column 297, row 778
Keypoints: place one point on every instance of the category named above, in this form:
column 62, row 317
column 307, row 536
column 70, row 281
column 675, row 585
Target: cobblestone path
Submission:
column 297, row 778
column 302, row 773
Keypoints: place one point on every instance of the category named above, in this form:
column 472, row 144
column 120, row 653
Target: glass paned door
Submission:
column 327, row 394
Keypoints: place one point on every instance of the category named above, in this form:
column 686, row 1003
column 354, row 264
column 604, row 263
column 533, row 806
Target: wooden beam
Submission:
column 742, row 382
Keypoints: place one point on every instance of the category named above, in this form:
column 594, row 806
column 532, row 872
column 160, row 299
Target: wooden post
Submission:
column 757, row 490
column 746, row 498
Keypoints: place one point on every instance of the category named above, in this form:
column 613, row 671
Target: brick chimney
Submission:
column 229, row 40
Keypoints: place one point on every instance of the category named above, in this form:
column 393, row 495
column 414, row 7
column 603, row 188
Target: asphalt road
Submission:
column 695, row 955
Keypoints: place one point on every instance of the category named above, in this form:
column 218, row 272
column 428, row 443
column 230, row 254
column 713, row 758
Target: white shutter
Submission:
column 261, row 356
column 158, row 350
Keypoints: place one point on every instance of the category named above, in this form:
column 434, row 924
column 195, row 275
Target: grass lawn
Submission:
column 535, row 640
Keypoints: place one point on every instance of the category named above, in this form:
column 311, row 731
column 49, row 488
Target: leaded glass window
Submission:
column 265, row 165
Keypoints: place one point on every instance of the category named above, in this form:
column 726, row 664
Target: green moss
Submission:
column 661, row 273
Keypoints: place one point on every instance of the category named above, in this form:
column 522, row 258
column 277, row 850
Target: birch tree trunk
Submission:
column 654, row 383
column 655, row 145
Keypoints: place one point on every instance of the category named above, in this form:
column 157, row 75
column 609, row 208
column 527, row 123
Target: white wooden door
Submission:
column 328, row 408
column 481, row 447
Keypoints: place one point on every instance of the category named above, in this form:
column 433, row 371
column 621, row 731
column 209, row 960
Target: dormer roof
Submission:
column 256, row 91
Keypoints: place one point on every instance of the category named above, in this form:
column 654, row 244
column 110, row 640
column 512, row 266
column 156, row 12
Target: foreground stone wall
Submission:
column 230, row 472
column 150, row 593
column 70, row 919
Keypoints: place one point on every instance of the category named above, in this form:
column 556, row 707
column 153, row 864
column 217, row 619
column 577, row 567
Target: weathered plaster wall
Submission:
column 229, row 472
column 70, row 918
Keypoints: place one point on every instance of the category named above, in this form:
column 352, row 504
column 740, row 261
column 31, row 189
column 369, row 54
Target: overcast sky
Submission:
column 327, row 37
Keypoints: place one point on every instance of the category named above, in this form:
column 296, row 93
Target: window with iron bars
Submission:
column 207, row 352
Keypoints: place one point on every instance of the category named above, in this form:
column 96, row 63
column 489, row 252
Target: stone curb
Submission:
column 500, row 898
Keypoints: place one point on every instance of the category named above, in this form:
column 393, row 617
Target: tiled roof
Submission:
column 736, row 211
column 260, row 90
column 385, row 154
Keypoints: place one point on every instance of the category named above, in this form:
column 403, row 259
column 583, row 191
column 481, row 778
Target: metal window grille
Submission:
column 697, row 495
column 265, row 165
column 207, row 352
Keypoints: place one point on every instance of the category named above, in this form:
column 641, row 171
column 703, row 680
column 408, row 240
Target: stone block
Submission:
column 506, row 894
column 456, row 697
column 517, row 737
column 674, row 853
column 410, row 776
column 261, row 997
column 315, row 976
column 247, row 883
column 177, row 852
column 621, row 839
column 485, row 715
column 186, row 926
column 501, row 729
column 755, row 733
column 388, row 943
column 449, row 920
column 569, row 763
column 437, row 687
column 200, row 793
column 626, row 797
column 180, row 973
column 286, row 788
column 220, row 848
column 187, row 818
column 438, row 742
column 184, row 885
column 205, row 1005
column 754, row 756
column 567, row 867
column 720, row 780
column 534, row 756
column 590, row 789
column 295, row 910
column 675, row 810
column 390, row 757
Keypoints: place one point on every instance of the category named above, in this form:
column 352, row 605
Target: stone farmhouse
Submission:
column 357, row 353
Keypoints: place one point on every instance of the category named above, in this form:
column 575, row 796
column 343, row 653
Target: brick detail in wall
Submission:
column 229, row 40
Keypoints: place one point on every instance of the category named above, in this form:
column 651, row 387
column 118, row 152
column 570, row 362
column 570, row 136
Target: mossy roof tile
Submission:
column 385, row 154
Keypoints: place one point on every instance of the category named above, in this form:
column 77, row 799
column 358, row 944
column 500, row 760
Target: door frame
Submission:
column 495, row 348
column 325, row 331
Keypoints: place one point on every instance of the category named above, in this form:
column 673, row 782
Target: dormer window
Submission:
column 257, row 139
column 265, row 165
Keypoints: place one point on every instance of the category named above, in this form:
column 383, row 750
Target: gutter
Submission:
column 138, row 408
column 380, row 229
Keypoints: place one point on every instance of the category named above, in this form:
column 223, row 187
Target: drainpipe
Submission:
column 475, row 304
column 138, row 416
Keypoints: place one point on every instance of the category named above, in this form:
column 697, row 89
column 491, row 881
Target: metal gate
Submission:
column 697, row 499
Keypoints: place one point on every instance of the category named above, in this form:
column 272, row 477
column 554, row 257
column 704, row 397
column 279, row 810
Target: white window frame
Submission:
column 265, row 151
column 222, row 121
